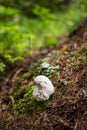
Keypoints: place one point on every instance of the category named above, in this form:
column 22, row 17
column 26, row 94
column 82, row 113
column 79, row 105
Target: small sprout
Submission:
column 65, row 82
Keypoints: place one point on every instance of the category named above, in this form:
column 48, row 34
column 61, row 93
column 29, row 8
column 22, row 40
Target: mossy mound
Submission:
column 23, row 101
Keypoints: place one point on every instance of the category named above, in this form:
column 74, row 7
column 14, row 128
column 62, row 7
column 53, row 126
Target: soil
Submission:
column 67, row 108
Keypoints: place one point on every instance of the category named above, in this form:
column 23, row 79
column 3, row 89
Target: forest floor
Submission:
column 67, row 108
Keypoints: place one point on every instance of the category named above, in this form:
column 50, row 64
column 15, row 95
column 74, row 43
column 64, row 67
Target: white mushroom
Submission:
column 43, row 88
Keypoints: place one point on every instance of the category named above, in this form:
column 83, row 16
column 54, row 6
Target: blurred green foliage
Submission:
column 39, row 21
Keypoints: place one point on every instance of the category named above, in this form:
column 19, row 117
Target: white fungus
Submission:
column 43, row 88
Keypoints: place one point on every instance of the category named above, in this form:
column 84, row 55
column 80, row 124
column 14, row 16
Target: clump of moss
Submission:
column 25, row 103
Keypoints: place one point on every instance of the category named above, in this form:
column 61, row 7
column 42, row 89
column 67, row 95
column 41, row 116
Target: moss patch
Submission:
column 25, row 103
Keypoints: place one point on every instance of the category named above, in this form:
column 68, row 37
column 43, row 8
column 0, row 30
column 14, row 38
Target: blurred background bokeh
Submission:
column 30, row 24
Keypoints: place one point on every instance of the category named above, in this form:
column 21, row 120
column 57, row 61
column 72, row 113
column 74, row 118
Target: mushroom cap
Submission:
column 43, row 88
column 42, row 78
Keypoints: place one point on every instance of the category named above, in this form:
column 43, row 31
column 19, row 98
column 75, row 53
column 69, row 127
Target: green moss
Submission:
column 83, row 58
column 25, row 103
column 81, row 54
column 26, row 75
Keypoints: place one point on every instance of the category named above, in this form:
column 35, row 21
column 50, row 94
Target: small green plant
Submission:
column 46, row 68
column 2, row 67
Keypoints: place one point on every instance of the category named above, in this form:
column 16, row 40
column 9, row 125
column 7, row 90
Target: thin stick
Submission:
column 29, row 47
